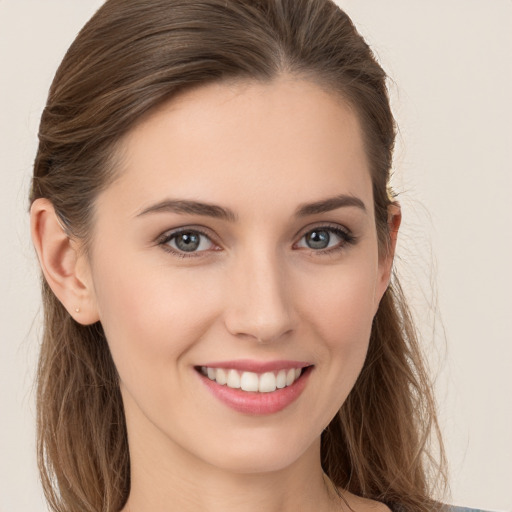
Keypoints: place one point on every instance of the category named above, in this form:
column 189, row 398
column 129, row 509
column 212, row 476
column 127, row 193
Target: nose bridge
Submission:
column 260, row 300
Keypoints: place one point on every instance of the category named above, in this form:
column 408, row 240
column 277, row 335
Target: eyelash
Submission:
column 165, row 239
column 346, row 239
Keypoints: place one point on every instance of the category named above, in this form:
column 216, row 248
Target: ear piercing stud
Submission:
column 77, row 310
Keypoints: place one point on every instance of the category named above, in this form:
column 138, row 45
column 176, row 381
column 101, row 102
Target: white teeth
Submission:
column 221, row 377
column 281, row 379
column 250, row 381
column 233, row 379
column 267, row 383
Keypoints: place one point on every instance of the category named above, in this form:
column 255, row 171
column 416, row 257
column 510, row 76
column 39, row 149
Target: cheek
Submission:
column 345, row 325
column 340, row 311
column 151, row 316
column 342, row 304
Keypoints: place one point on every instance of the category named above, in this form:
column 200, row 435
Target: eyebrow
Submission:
column 191, row 207
column 219, row 212
column 327, row 205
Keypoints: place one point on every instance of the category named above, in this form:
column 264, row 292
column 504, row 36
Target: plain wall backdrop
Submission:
column 450, row 61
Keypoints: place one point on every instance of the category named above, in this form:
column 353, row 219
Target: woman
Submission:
column 212, row 215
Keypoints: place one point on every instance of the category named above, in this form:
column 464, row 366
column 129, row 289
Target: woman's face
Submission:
column 238, row 244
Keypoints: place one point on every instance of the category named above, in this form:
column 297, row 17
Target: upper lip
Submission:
column 250, row 365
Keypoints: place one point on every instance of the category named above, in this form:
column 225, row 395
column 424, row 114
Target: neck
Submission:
column 170, row 480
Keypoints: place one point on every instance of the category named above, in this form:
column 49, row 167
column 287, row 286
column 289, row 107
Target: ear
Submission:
column 386, row 259
column 66, row 271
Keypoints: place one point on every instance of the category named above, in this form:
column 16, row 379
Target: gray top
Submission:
column 463, row 509
column 451, row 509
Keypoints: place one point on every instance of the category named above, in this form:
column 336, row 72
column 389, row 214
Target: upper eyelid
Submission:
column 208, row 232
column 325, row 225
column 197, row 229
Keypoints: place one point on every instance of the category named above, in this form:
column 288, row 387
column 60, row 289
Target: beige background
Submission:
column 451, row 65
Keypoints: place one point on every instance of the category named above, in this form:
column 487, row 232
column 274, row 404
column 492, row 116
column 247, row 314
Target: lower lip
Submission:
column 257, row 403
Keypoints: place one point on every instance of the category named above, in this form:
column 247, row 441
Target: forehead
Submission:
column 248, row 144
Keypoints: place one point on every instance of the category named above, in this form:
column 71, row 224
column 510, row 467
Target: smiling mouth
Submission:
column 266, row 382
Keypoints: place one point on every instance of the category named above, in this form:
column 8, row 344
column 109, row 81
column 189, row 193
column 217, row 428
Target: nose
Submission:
column 260, row 305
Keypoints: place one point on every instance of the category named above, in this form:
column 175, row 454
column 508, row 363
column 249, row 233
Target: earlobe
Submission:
column 61, row 263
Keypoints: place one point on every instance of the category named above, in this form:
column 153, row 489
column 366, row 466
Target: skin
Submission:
column 254, row 289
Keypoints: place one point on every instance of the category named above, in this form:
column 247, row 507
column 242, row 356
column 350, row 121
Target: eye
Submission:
column 326, row 239
column 186, row 242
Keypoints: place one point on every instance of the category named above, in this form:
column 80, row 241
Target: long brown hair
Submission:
column 128, row 59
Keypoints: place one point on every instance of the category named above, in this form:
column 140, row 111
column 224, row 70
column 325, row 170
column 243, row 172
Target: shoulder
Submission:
column 360, row 504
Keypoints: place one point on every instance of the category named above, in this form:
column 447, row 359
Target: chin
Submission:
column 264, row 453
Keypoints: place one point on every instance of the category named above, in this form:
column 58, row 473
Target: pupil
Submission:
column 318, row 239
column 187, row 242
